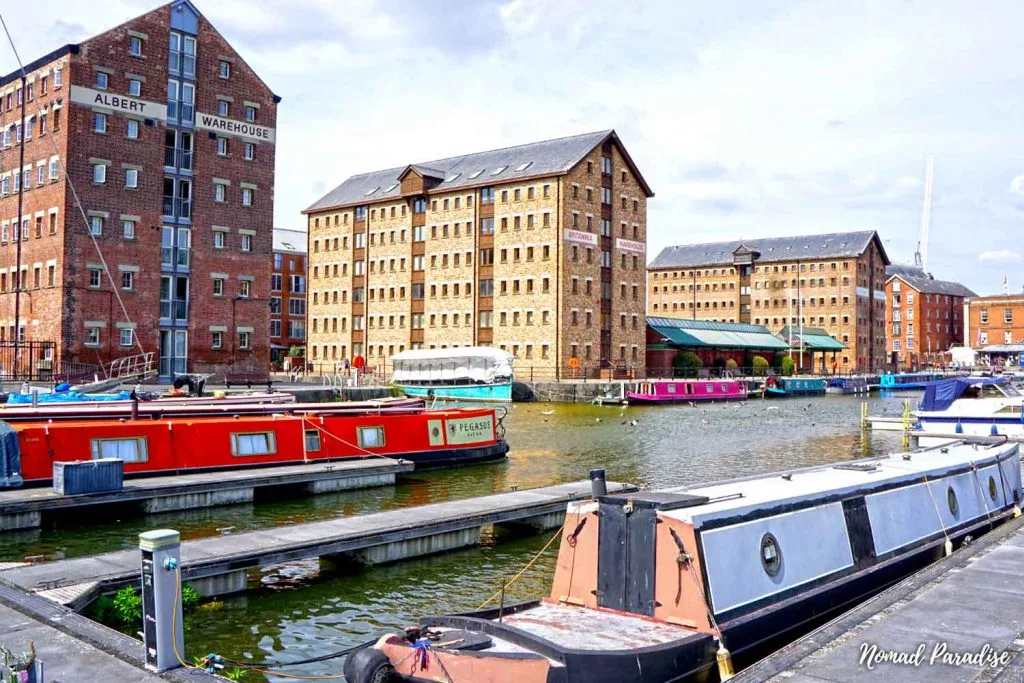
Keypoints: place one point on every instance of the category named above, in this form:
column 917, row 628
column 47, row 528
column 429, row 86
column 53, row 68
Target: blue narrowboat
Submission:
column 907, row 380
column 473, row 373
column 847, row 385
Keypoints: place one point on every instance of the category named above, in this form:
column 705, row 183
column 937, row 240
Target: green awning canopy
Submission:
column 715, row 335
column 811, row 339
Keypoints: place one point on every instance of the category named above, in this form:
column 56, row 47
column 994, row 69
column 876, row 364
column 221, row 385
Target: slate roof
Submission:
column 834, row 245
column 813, row 338
column 550, row 157
column 929, row 285
column 904, row 269
column 290, row 240
column 717, row 335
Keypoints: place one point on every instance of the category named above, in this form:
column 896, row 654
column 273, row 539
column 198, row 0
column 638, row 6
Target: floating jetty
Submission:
column 964, row 608
column 25, row 508
column 219, row 565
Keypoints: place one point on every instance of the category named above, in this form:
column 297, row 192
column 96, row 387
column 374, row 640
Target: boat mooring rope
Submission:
column 524, row 569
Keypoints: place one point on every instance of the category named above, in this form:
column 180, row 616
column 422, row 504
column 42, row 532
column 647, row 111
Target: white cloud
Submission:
column 1000, row 256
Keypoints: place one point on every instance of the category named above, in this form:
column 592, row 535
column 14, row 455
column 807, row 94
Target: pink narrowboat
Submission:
column 687, row 390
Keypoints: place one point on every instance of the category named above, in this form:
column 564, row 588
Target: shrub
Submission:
column 686, row 364
column 189, row 597
column 731, row 364
column 128, row 605
column 760, row 366
column 787, row 366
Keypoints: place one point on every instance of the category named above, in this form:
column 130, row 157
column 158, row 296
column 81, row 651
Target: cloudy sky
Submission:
column 749, row 119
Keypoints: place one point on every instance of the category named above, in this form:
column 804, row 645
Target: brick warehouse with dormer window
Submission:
column 168, row 138
column 538, row 249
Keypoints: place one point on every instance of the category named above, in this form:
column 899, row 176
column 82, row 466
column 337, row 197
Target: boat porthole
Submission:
column 771, row 555
column 954, row 506
column 992, row 488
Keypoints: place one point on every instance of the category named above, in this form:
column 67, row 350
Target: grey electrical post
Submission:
column 161, row 604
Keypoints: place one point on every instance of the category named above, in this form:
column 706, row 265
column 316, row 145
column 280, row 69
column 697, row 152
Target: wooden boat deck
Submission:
column 225, row 554
column 965, row 603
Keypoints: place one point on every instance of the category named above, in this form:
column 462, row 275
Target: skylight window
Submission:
column 498, row 170
column 475, row 174
column 371, row 191
column 452, row 177
column 391, row 188
column 523, row 167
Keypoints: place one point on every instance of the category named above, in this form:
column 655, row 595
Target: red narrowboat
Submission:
column 178, row 444
column 686, row 391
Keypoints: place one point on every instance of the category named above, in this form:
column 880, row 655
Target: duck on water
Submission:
column 654, row 586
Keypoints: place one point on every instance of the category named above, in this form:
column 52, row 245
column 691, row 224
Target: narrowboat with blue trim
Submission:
column 847, row 385
column 473, row 373
column 657, row 586
column 169, row 445
column 907, row 380
column 784, row 387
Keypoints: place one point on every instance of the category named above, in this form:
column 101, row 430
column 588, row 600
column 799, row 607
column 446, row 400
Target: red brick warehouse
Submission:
column 168, row 137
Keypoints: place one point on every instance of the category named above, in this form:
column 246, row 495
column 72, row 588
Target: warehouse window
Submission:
column 256, row 443
column 128, row 450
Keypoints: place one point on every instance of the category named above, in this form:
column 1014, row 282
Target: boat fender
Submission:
column 959, row 428
column 724, row 659
column 368, row 665
column 994, row 431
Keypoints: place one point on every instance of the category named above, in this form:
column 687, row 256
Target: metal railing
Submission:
column 35, row 361
column 175, row 157
column 132, row 366
column 177, row 207
column 175, row 308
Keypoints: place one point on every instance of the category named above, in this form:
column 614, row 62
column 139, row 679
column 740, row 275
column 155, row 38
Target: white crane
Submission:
column 921, row 255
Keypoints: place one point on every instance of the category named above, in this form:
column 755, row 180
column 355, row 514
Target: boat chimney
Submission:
column 135, row 407
column 598, row 485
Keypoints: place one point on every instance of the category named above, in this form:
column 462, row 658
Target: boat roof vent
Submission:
column 656, row 500
column 858, row 466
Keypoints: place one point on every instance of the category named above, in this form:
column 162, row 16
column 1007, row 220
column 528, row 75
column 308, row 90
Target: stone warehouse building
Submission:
column 835, row 282
column 538, row 249
column 167, row 136
column 924, row 316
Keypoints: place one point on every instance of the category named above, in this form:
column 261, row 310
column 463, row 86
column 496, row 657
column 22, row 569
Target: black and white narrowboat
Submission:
column 649, row 586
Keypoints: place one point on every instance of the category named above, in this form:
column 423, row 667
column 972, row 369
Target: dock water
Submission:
column 219, row 565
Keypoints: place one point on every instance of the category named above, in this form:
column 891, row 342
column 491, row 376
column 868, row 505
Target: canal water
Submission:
column 296, row 612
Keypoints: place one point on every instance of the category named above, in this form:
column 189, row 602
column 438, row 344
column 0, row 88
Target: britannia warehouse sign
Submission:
column 118, row 104
column 241, row 129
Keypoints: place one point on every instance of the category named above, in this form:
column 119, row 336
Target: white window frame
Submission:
column 102, row 80
column 247, row 196
column 134, row 87
column 126, row 342
column 244, row 341
column 246, row 243
column 128, row 280
column 128, row 229
column 249, row 151
column 133, row 449
column 247, row 444
column 218, row 340
column 99, row 174
column 96, row 225
column 131, row 178
column 97, row 119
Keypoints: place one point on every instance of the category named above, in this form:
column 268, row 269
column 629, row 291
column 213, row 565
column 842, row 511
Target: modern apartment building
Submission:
column 288, row 294
column 538, row 249
column 167, row 138
column 924, row 316
column 835, row 282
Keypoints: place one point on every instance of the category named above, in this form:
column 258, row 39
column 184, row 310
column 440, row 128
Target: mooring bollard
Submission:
column 161, row 601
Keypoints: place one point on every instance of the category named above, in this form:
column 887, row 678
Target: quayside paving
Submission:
column 219, row 565
column 961, row 619
column 72, row 647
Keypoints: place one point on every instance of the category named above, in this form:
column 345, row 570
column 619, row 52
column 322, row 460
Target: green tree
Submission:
column 686, row 364
column 731, row 365
column 787, row 366
column 759, row 365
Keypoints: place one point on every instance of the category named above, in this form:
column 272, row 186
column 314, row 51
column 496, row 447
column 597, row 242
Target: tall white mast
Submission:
column 921, row 256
